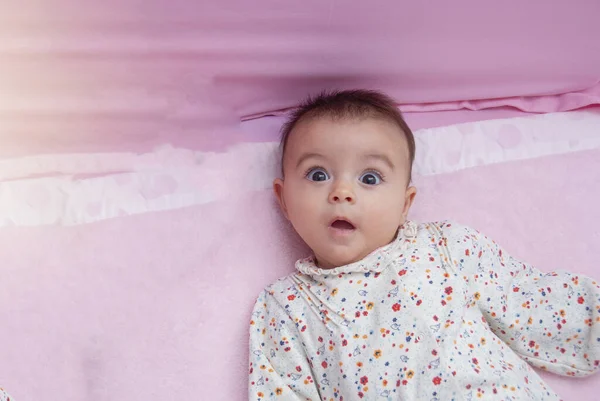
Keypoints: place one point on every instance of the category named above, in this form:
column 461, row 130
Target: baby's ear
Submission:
column 409, row 198
column 278, row 189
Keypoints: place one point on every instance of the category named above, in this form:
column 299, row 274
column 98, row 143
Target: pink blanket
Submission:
column 129, row 263
column 155, row 303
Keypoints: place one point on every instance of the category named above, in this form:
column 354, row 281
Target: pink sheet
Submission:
column 143, row 137
column 156, row 305
column 131, row 72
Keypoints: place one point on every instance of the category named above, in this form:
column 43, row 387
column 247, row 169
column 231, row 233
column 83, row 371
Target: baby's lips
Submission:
column 342, row 224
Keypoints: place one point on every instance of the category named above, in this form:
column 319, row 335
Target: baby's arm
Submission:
column 551, row 320
column 278, row 364
column 4, row 396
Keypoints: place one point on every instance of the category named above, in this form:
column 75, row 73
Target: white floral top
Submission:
column 4, row 396
column 442, row 313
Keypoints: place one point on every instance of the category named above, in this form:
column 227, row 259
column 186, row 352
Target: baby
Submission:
column 387, row 309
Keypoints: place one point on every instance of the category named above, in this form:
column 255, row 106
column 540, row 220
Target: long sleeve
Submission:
column 552, row 320
column 279, row 368
column 4, row 396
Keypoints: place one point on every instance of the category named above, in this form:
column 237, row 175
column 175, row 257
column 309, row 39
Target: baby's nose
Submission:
column 342, row 193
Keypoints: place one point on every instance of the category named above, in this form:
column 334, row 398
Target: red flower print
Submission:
column 360, row 394
column 402, row 272
column 437, row 380
column 298, row 368
column 291, row 297
column 580, row 300
column 475, row 361
column 364, row 380
column 324, row 364
column 448, row 290
column 531, row 344
column 467, row 252
column 396, row 307
column 516, row 289
column 344, row 342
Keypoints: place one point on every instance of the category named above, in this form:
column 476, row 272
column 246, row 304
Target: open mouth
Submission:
column 340, row 224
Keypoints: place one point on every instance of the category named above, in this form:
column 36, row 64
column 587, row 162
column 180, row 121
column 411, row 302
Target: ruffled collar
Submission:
column 376, row 261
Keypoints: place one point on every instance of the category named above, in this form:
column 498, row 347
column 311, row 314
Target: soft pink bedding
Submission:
column 155, row 304
column 137, row 148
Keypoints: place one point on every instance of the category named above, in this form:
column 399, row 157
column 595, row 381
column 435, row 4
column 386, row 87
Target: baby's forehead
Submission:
column 345, row 142
column 313, row 131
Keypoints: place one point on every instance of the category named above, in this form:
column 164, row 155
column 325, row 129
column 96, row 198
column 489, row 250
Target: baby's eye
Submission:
column 371, row 178
column 317, row 174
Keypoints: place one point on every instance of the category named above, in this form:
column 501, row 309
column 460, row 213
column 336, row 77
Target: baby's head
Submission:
column 346, row 165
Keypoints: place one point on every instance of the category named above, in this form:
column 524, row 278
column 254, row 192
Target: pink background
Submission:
column 127, row 74
column 157, row 305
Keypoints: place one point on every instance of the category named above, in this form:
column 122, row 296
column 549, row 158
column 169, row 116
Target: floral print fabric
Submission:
column 442, row 313
column 4, row 396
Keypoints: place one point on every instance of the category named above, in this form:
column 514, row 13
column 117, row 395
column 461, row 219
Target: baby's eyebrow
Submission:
column 307, row 156
column 381, row 157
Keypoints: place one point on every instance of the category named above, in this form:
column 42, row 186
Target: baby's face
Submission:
column 345, row 189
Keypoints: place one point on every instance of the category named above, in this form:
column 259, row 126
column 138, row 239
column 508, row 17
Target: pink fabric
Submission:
column 138, row 140
column 128, row 71
column 533, row 104
column 266, row 129
column 157, row 306
column 107, row 137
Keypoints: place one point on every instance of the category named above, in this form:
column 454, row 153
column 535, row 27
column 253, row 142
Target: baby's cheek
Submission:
column 387, row 216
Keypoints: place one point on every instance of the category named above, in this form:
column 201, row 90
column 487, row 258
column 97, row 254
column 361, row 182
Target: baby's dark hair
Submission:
column 357, row 103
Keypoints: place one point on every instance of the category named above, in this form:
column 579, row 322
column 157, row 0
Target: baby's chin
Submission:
column 341, row 258
column 340, row 255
